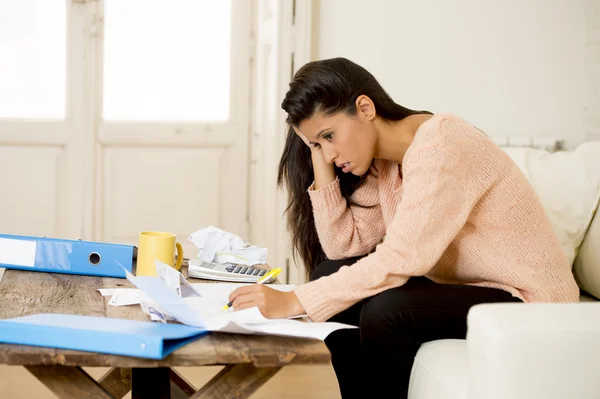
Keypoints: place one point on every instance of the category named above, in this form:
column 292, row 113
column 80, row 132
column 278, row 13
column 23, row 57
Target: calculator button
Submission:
column 262, row 273
column 237, row 269
column 255, row 272
column 243, row 271
column 249, row 271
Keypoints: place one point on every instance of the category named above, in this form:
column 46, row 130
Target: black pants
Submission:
column 376, row 359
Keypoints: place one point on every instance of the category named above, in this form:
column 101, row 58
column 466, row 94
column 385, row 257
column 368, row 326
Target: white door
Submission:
column 154, row 135
column 173, row 123
column 42, row 117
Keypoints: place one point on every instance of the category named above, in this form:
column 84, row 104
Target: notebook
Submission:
column 98, row 334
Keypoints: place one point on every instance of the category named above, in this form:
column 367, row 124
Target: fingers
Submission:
column 241, row 291
column 243, row 306
column 252, row 293
column 245, row 301
column 303, row 137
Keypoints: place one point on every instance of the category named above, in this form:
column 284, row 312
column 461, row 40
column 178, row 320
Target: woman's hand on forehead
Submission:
column 303, row 137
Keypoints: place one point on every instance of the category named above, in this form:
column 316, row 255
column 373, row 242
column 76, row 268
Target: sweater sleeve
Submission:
column 436, row 203
column 347, row 231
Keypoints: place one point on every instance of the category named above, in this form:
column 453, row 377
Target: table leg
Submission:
column 180, row 387
column 152, row 383
column 239, row 381
column 236, row 381
column 117, row 382
column 69, row 382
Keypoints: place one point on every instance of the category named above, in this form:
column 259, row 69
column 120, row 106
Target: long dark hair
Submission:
column 327, row 86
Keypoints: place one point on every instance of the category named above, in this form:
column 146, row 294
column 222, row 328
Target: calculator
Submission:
column 224, row 272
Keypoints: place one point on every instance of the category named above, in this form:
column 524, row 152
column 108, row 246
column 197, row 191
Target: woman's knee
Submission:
column 379, row 312
column 390, row 305
column 389, row 313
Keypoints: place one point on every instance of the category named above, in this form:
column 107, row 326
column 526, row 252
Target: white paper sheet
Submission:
column 247, row 321
column 215, row 296
column 111, row 291
column 220, row 246
column 128, row 297
column 174, row 280
column 209, row 299
column 124, row 296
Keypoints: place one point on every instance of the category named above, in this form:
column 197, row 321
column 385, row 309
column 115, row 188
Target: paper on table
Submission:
column 253, row 321
column 215, row 296
column 158, row 291
column 133, row 296
column 222, row 290
column 247, row 321
column 128, row 297
column 174, row 280
column 209, row 302
column 112, row 291
column 220, row 246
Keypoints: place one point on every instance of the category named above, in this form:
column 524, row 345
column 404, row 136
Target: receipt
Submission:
column 127, row 296
column 175, row 280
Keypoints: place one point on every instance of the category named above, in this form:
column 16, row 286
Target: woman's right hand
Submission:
column 324, row 171
column 305, row 140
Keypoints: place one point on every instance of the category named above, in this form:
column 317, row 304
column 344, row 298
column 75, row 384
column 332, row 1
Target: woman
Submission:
column 404, row 219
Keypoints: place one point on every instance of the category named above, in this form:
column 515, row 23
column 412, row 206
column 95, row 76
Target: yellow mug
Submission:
column 157, row 245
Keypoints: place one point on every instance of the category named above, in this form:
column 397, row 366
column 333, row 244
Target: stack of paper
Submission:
column 214, row 297
column 204, row 310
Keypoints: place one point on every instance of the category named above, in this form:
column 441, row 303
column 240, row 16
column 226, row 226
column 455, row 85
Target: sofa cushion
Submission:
column 568, row 184
column 534, row 350
column 440, row 371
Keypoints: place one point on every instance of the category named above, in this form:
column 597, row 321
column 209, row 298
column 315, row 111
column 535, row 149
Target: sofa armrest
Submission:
column 586, row 267
column 534, row 351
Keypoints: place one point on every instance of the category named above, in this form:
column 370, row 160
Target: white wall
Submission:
column 592, row 70
column 511, row 67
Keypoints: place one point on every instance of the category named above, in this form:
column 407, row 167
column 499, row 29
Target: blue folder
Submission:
column 123, row 337
column 66, row 256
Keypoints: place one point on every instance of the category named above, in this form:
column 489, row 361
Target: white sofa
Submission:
column 533, row 351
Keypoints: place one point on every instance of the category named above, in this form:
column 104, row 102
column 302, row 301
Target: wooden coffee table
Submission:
column 249, row 360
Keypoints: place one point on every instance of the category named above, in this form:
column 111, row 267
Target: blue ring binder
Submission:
column 66, row 256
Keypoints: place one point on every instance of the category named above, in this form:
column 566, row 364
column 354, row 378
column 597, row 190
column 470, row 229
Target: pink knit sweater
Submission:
column 463, row 213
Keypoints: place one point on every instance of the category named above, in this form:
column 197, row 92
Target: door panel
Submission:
column 161, row 189
column 174, row 65
column 33, row 36
column 41, row 117
column 31, row 179
column 172, row 141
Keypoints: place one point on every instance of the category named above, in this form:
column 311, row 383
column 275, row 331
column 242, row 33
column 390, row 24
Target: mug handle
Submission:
column 179, row 256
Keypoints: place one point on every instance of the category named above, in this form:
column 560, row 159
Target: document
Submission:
column 210, row 302
column 128, row 297
column 204, row 311
column 175, row 280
